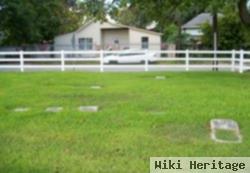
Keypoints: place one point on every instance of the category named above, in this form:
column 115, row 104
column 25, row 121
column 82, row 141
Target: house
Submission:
column 108, row 36
column 193, row 27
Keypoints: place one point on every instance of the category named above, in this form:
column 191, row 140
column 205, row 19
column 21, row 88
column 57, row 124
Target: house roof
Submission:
column 84, row 26
column 118, row 25
column 65, row 34
column 136, row 29
column 197, row 21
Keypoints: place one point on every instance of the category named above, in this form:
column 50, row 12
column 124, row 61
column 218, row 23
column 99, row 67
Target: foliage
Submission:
column 32, row 21
column 215, row 6
column 170, row 13
column 207, row 35
column 170, row 33
column 96, row 9
column 232, row 33
column 131, row 15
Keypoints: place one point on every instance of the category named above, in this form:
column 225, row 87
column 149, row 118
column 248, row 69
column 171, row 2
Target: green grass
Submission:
column 227, row 135
column 139, row 117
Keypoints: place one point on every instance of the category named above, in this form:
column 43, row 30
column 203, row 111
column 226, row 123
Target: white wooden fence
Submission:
column 184, row 60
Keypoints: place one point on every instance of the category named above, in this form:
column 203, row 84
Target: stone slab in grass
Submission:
column 21, row 109
column 160, row 77
column 225, row 131
column 96, row 87
column 54, row 109
column 88, row 108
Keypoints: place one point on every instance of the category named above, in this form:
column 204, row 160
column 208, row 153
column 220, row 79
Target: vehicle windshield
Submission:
column 130, row 54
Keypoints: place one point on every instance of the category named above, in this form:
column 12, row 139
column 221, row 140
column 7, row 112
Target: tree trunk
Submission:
column 178, row 41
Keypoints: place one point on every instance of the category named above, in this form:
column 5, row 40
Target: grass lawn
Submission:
column 139, row 117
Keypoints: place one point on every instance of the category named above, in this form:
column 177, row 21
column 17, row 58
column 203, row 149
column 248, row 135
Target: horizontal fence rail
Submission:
column 141, row 60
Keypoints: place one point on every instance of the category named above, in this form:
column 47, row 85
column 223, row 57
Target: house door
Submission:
column 144, row 42
column 117, row 44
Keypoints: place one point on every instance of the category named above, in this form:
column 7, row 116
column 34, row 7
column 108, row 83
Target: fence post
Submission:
column 62, row 61
column 187, row 60
column 233, row 61
column 241, row 61
column 215, row 62
column 21, row 61
column 101, row 61
column 146, row 60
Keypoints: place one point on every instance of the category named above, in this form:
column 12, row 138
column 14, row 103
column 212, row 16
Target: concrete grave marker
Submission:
column 226, row 126
column 88, row 108
column 160, row 77
column 21, row 109
column 96, row 87
column 54, row 109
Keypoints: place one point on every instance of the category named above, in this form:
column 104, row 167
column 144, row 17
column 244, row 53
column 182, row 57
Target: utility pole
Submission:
column 215, row 38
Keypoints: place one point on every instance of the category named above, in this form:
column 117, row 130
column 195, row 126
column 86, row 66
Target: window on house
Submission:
column 85, row 43
column 144, row 43
column 116, row 41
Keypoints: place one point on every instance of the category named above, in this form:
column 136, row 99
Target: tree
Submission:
column 177, row 12
column 97, row 9
column 214, row 7
column 32, row 21
column 167, row 13
column 233, row 34
column 94, row 8
column 130, row 15
column 244, row 6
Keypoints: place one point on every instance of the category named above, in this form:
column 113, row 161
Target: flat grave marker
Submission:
column 21, row 109
column 96, row 87
column 54, row 109
column 88, row 108
column 160, row 77
column 225, row 131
